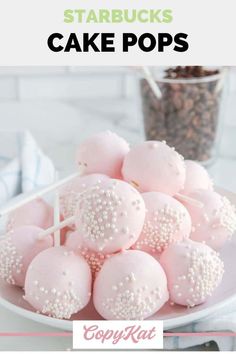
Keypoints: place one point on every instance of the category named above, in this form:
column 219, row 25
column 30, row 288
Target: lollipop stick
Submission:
column 180, row 196
column 59, row 226
column 152, row 83
column 189, row 200
column 57, row 234
column 37, row 194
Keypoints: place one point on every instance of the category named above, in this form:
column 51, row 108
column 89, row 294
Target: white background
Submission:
column 25, row 26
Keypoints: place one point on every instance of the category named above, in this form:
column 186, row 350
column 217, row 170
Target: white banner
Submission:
column 102, row 32
column 117, row 335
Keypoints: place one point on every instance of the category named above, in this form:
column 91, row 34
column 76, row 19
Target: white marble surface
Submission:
column 59, row 127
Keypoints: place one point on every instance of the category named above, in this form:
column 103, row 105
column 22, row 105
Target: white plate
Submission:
column 173, row 316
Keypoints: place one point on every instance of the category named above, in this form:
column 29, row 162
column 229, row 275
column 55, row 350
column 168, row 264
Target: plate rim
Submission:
column 67, row 325
column 171, row 323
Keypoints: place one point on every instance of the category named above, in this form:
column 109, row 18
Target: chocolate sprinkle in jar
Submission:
column 187, row 115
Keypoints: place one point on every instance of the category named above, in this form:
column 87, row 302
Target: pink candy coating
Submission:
column 18, row 249
column 102, row 153
column 193, row 271
column 130, row 286
column 197, row 177
column 70, row 193
column 110, row 216
column 167, row 221
column 94, row 259
column 58, row 283
column 154, row 166
column 215, row 222
column 37, row 212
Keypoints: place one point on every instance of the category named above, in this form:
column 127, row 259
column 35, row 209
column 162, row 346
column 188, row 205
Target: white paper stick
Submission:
column 189, row 200
column 37, row 194
column 152, row 83
column 57, row 233
column 221, row 81
column 59, row 226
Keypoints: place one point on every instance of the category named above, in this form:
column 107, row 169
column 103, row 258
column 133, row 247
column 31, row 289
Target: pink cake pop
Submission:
column 58, row 283
column 110, row 216
column 18, row 249
column 94, row 259
column 167, row 221
column 70, row 192
column 154, row 166
column 193, row 271
column 37, row 213
column 196, row 178
column 130, row 286
column 215, row 222
column 102, row 153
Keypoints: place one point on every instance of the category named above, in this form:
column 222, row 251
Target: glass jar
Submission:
column 187, row 114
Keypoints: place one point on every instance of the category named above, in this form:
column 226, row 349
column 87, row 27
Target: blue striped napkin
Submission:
column 23, row 165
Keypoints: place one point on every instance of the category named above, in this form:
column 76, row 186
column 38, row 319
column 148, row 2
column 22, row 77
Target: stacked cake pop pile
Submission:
column 143, row 227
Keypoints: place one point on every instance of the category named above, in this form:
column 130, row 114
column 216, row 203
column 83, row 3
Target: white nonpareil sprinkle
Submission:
column 203, row 274
column 69, row 197
column 57, row 304
column 94, row 259
column 227, row 216
column 99, row 212
column 133, row 303
column 160, row 229
column 10, row 261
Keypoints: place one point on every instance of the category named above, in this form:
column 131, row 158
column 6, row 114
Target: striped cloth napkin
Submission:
column 23, row 165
